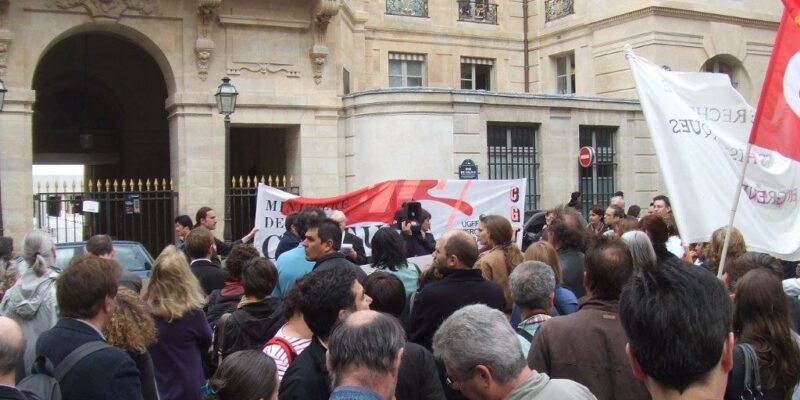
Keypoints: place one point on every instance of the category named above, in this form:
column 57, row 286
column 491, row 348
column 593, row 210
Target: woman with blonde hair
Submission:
column 496, row 264
column 712, row 253
column 565, row 302
column 132, row 329
column 32, row 300
column 175, row 299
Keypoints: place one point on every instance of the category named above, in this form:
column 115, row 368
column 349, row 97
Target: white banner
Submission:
column 453, row 204
column 700, row 125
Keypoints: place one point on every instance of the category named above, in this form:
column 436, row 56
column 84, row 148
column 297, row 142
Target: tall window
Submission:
column 565, row 74
column 719, row 66
column 476, row 73
column 597, row 181
column 345, row 81
column 512, row 155
column 411, row 8
column 406, row 70
column 477, row 11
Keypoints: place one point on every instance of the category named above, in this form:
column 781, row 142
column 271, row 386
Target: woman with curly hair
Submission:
column 389, row 254
column 761, row 323
column 244, row 375
column 175, row 299
column 712, row 253
column 132, row 329
column 497, row 263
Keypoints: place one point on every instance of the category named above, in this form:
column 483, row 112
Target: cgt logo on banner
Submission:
column 700, row 126
column 453, row 204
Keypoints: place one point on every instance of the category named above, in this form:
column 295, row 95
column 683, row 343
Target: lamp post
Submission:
column 226, row 105
column 3, row 91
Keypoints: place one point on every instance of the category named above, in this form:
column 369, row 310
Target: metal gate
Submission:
column 125, row 210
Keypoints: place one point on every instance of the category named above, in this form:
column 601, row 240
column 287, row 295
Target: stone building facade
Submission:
column 338, row 94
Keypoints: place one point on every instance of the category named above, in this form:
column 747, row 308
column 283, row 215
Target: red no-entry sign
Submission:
column 586, row 156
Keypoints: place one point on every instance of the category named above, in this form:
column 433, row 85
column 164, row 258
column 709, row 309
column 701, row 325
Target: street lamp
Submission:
column 226, row 105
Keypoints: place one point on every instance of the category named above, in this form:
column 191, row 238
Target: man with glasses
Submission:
column 483, row 359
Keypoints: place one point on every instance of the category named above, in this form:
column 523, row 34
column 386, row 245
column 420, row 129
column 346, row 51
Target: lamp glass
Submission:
column 226, row 97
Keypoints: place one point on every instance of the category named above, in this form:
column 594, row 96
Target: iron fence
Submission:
column 242, row 196
column 477, row 11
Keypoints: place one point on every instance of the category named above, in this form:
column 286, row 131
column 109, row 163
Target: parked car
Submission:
column 132, row 256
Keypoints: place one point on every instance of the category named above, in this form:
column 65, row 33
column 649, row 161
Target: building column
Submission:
column 16, row 163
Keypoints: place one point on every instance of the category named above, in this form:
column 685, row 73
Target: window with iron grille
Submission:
column 597, row 181
column 512, row 155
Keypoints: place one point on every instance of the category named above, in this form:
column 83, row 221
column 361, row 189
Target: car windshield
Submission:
column 128, row 256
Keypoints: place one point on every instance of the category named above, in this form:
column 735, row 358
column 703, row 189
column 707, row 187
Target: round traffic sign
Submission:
column 586, row 156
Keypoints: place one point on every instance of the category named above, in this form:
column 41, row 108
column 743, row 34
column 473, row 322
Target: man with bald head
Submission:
column 12, row 347
column 364, row 355
column 454, row 256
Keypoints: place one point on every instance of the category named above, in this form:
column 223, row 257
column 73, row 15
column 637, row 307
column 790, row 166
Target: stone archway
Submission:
column 100, row 103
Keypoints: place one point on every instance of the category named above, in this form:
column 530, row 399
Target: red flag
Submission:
column 777, row 123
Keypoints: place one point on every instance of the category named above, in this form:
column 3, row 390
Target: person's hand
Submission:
column 406, row 227
column 250, row 235
column 352, row 255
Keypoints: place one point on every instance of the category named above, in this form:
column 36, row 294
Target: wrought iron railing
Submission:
column 477, row 11
column 243, row 194
column 555, row 9
column 141, row 211
column 410, row 8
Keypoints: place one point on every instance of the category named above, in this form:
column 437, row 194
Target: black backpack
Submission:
column 44, row 380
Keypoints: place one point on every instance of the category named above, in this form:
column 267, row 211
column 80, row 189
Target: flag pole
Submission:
column 727, row 242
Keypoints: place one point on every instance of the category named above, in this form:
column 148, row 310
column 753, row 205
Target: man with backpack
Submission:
column 84, row 364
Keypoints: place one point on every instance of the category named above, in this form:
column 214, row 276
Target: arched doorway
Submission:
column 100, row 103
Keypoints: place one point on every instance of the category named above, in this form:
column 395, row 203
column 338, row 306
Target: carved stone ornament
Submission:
column 4, row 46
column 204, row 46
column 326, row 10
column 110, row 8
column 263, row 69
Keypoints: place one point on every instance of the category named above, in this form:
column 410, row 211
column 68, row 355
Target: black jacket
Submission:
column 105, row 374
column 209, row 274
column 249, row 327
column 438, row 299
column 573, row 263
column 307, row 376
column 219, row 305
column 358, row 247
column 418, row 378
column 336, row 259
column 10, row 393
column 416, row 246
column 288, row 241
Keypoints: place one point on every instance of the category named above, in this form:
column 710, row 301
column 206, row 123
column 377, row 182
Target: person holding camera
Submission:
column 414, row 222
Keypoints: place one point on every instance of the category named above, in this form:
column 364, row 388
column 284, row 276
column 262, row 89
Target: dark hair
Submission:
column 609, row 266
column 184, row 221
column 238, row 257
column 597, row 209
column 373, row 343
column 201, row 215
column 245, row 375
column 463, row 247
column 84, row 285
column 305, row 217
column 198, row 242
column 6, row 247
column 736, row 269
column 328, row 229
column 291, row 219
column 324, row 295
column 259, row 276
column 388, row 249
column 618, row 211
column 663, row 198
column 292, row 301
column 677, row 320
column 619, row 193
column 99, row 245
column 567, row 229
column 761, row 318
column 656, row 229
column 387, row 292
column 634, row 211
column 574, row 196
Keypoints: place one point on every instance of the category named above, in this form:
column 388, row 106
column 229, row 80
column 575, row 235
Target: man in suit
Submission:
column 86, row 292
column 357, row 255
column 200, row 246
column 12, row 348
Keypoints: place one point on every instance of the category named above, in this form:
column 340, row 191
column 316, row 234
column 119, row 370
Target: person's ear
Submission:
column 727, row 353
column 637, row 369
column 397, row 360
column 483, row 376
column 586, row 284
column 328, row 363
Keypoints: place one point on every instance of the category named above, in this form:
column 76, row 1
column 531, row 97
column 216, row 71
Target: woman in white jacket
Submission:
column 32, row 300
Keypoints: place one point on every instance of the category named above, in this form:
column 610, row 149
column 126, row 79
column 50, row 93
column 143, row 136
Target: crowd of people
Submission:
column 608, row 307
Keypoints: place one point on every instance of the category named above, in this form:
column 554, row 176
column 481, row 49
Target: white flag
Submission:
column 700, row 125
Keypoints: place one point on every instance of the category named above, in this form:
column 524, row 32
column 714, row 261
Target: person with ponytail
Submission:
column 244, row 375
column 32, row 300
column 497, row 263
